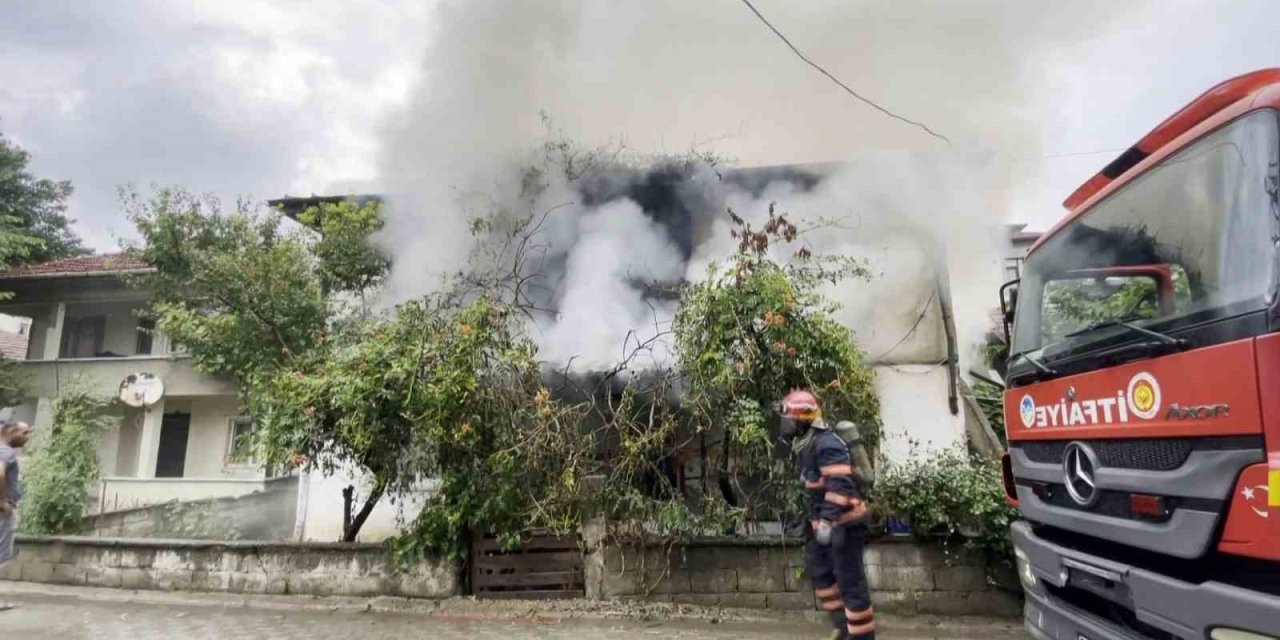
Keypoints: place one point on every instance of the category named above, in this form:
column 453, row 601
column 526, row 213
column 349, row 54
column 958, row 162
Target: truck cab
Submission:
column 1143, row 398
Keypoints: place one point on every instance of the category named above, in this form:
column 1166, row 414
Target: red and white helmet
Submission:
column 801, row 405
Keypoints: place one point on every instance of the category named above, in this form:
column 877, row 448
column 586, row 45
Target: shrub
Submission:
column 65, row 464
column 952, row 493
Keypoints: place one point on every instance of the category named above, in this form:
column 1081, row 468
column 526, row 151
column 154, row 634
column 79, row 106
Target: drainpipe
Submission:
column 953, row 355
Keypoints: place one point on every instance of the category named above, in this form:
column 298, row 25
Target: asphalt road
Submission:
column 71, row 615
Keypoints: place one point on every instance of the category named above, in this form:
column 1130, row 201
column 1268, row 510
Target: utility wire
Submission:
column 837, row 81
column 1080, row 153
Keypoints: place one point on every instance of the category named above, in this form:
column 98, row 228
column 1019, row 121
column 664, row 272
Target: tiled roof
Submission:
column 79, row 265
column 13, row 345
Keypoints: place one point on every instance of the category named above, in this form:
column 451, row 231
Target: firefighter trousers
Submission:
column 839, row 580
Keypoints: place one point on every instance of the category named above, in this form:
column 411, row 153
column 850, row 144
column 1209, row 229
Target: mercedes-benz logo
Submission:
column 1078, row 466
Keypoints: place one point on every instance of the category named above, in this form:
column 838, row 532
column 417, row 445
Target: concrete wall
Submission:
column 120, row 493
column 321, row 508
column 234, row 567
column 105, row 374
column 269, row 514
column 914, row 408
column 905, row 577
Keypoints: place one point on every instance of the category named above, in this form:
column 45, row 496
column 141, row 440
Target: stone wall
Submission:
column 905, row 577
column 262, row 515
column 234, row 567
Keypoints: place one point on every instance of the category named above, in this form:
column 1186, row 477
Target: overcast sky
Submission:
column 264, row 98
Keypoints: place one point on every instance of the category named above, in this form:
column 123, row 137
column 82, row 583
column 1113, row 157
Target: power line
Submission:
column 1080, row 153
column 837, row 81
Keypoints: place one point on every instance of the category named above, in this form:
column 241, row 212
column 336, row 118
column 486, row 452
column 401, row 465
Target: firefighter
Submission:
column 837, row 515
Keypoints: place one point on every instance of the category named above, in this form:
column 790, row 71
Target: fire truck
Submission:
column 1143, row 386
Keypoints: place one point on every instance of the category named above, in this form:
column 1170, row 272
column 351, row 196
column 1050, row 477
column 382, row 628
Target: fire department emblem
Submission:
column 1144, row 396
column 1027, row 410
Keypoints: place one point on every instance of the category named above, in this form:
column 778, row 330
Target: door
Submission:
column 171, row 459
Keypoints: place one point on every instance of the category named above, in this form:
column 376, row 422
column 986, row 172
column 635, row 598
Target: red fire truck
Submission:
column 1143, row 399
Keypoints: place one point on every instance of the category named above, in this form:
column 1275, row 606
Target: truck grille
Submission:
column 1165, row 454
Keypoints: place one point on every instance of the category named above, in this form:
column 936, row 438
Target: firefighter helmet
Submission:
column 801, row 406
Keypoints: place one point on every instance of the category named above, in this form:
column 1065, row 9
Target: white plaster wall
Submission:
column 914, row 407
column 128, row 441
column 886, row 311
column 322, row 514
column 209, row 438
column 121, row 333
column 108, row 448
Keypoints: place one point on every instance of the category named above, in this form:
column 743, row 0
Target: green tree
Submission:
column 35, row 208
column 249, row 300
column 1072, row 304
column 348, row 262
column 64, row 466
column 758, row 327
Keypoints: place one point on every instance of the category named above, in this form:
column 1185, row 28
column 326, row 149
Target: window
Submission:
column 240, row 446
column 146, row 336
column 1200, row 224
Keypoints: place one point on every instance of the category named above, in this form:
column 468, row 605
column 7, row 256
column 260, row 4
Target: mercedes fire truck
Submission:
column 1143, row 397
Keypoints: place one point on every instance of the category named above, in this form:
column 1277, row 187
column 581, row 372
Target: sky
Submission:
column 262, row 98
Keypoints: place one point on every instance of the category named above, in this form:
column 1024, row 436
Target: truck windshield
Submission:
column 1190, row 240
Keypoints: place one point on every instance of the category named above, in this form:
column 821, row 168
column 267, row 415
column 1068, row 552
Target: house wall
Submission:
column 210, row 437
column 121, row 331
column 207, row 439
column 129, row 436
column 914, row 407
column 322, row 512
column 108, row 448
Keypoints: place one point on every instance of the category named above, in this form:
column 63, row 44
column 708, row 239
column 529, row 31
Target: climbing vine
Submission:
column 64, row 465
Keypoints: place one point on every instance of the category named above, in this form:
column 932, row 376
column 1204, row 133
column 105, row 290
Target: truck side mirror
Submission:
column 1008, row 303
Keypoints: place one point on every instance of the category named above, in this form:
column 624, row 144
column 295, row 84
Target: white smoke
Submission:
column 616, row 245
column 673, row 76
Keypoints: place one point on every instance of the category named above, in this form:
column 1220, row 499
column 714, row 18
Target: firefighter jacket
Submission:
column 833, row 489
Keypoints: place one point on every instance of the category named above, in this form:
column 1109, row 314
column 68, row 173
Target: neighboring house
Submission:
column 85, row 324
column 1021, row 242
column 13, row 345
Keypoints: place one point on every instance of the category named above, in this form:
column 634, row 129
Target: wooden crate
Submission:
column 542, row 567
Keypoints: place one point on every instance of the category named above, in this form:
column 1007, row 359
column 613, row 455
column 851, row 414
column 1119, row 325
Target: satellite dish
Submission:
column 141, row 390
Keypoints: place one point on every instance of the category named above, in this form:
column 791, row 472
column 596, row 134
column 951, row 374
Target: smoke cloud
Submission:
column 670, row 76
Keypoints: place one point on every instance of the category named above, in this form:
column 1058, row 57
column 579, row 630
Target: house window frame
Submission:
column 229, row 460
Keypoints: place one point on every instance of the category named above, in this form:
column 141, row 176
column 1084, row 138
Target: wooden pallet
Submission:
column 543, row 567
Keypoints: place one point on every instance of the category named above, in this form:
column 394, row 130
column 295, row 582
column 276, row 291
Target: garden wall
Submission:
column 906, row 577
column 262, row 515
column 318, row 569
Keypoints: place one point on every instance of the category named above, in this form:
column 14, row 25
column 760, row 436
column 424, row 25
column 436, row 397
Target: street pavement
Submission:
column 45, row 616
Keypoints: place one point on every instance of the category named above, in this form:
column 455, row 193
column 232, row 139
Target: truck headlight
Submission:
column 1028, row 576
